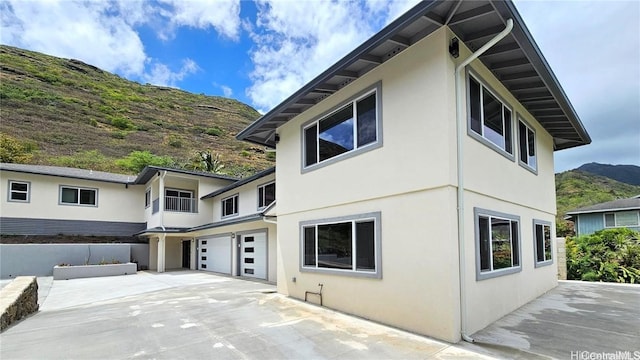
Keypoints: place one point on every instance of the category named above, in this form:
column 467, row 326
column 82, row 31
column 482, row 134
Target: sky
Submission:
column 260, row 52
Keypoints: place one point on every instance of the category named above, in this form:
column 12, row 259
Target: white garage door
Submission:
column 214, row 254
column 253, row 257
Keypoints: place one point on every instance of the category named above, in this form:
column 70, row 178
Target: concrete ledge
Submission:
column 87, row 271
column 18, row 299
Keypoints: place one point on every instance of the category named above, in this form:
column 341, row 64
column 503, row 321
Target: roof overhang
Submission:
column 516, row 61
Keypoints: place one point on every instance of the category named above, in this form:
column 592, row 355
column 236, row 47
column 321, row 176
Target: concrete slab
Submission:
column 194, row 315
column 576, row 316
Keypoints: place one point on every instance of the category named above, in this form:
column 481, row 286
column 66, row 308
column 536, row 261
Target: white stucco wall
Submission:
column 247, row 198
column 115, row 202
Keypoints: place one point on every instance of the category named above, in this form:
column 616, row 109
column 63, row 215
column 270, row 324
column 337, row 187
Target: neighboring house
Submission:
column 402, row 216
column 192, row 219
column 610, row 214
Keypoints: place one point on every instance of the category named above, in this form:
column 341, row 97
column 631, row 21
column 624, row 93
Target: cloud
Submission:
column 226, row 91
column 162, row 75
column 222, row 15
column 295, row 41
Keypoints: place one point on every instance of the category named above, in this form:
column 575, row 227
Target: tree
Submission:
column 205, row 161
column 14, row 151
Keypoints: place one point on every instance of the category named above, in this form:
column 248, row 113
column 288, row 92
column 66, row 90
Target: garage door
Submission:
column 214, row 254
column 253, row 257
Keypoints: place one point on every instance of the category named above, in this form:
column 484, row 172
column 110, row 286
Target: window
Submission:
column 147, row 198
column 542, row 246
column 348, row 130
column 348, row 245
column 230, row 206
column 622, row 219
column 19, row 191
column 497, row 244
column 489, row 118
column 527, row 143
column 78, row 196
column 266, row 194
column 180, row 201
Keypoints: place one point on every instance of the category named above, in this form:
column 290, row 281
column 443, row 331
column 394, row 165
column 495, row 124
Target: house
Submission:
column 610, row 214
column 415, row 176
column 191, row 219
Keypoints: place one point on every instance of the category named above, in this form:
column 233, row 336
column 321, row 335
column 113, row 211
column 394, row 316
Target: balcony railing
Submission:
column 180, row 204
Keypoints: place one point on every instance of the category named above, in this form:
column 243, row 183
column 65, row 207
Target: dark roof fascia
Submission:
column 149, row 171
column 35, row 172
column 525, row 40
column 237, row 184
column 238, row 220
column 158, row 230
column 382, row 36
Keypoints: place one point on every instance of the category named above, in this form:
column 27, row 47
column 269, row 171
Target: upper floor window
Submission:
column 266, row 194
column 19, row 191
column 70, row 195
column 350, row 129
column 180, row 201
column 542, row 247
column 230, row 205
column 489, row 118
column 147, row 198
column 497, row 243
column 527, row 146
column 343, row 245
column 622, row 218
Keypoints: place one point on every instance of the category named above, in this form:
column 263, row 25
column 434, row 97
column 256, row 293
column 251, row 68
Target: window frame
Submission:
column 470, row 74
column 358, row 218
column 526, row 165
column 373, row 89
column 10, row 191
column 78, row 188
column 147, row 198
column 542, row 223
column 263, row 186
column 236, row 198
column 483, row 275
column 615, row 219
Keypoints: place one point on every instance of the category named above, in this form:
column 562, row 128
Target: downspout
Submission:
column 267, row 219
column 460, row 101
column 162, row 199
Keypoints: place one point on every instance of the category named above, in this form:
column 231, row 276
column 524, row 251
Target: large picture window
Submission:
column 489, row 118
column 497, row 243
column 342, row 245
column 19, row 191
column 527, row 146
column 179, row 201
column 622, row 218
column 266, row 194
column 230, row 206
column 354, row 126
column 78, row 196
column 542, row 246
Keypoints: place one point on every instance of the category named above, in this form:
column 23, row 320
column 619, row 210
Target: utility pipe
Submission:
column 460, row 101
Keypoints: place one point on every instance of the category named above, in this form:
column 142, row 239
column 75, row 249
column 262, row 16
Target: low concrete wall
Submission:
column 87, row 271
column 561, row 256
column 17, row 300
column 39, row 259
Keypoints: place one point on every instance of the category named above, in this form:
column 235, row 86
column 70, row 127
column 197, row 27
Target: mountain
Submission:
column 629, row 174
column 64, row 112
column 576, row 188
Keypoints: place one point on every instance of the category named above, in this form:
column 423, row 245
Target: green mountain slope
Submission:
column 575, row 189
column 629, row 174
column 65, row 112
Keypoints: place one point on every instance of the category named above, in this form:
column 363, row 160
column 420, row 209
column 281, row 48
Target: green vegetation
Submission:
column 610, row 255
column 64, row 112
column 576, row 189
column 137, row 160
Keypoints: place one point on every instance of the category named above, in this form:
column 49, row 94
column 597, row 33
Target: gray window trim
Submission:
column 480, row 138
column 60, row 187
column 615, row 219
column 222, row 215
column 535, row 245
column 376, row 216
column 495, row 273
column 377, row 88
column 258, row 194
column 9, row 191
column 532, row 169
column 148, row 190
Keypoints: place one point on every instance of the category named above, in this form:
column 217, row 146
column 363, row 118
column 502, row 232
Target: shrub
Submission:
column 90, row 160
column 174, row 140
column 610, row 255
column 214, row 131
column 13, row 150
column 137, row 160
column 120, row 122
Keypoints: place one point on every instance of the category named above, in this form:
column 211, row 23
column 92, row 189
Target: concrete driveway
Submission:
column 195, row 315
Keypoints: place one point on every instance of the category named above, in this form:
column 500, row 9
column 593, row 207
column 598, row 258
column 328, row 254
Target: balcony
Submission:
column 180, row 204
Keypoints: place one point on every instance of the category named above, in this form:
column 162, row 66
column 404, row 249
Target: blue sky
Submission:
column 260, row 52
